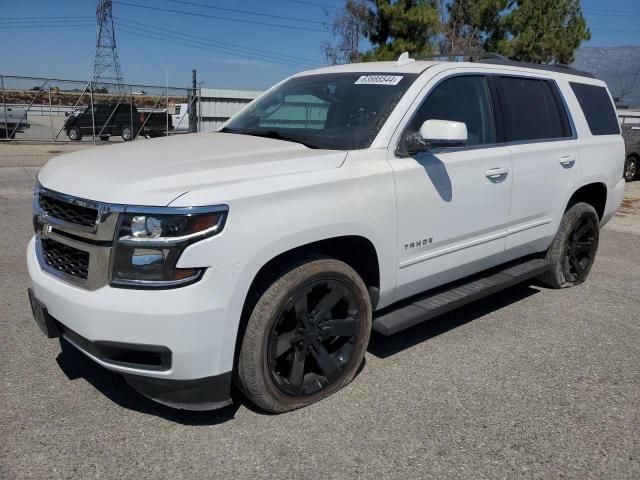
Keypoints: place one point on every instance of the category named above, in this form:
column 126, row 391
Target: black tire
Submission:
column 7, row 135
column 104, row 138
column 127, row 133
column 271, row 355
column 630, row 169
column 74, row 134
column 574, row 247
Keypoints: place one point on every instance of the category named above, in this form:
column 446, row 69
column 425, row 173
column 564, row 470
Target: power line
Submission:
column 163, row 30
column 244, row 12
column 216, row 17
column 315, row 4
column 194, row 45
column 66, row 25
column 213, row 43
column 44, row 18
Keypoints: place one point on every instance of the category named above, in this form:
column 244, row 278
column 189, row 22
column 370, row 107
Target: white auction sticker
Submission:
column 379, row 80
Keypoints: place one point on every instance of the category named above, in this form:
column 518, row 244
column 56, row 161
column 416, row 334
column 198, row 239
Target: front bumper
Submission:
column 197, row 324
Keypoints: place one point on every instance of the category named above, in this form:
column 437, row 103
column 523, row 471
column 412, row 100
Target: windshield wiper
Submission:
column 269, row 134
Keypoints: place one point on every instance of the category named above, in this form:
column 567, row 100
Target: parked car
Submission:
column 116, row 119
column 12, row 120
column 345, row 199
column 631, row 136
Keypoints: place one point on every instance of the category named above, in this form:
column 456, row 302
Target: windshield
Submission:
column 341, row 111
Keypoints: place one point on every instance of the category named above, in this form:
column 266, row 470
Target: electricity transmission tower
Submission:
column 106, row 69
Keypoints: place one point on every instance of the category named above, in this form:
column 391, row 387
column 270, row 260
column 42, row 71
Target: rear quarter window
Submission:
column 597, row 108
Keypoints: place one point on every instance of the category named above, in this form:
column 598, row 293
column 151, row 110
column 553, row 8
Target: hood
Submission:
column 155, row 172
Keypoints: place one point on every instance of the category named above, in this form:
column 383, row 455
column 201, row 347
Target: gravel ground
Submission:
column 529, row 383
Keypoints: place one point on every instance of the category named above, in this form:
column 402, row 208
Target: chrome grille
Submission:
column 74, row 237
column 65, row 259
column 68, row 212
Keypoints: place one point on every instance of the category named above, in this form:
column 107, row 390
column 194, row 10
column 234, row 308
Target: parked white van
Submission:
column 343, row 199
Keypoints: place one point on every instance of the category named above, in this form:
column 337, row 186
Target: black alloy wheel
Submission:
column 306, row 334
column 580, row 249
column 630, row 169
column 573, row 250
column 313, row 339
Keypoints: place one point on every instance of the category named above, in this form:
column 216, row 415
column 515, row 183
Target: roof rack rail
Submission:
column 497, row 59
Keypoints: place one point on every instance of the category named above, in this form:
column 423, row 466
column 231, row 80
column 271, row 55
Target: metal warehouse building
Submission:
column 218, row 105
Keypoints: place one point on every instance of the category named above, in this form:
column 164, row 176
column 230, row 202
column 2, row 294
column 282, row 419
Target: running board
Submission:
column 436, row 302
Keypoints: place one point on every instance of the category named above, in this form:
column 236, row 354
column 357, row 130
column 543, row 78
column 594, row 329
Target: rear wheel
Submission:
column 7, row 134
column 306, row 336
column 127, row 134
column 574, row 247
column 630, row 169
column 74, row 134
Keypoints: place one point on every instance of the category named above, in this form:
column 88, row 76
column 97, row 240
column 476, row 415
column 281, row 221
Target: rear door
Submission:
column 544, row 159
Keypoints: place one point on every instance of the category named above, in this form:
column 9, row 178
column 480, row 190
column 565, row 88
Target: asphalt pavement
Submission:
column 529, row 383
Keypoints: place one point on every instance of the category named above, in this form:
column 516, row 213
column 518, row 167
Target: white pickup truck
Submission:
column 343, row 199
column 12, row 120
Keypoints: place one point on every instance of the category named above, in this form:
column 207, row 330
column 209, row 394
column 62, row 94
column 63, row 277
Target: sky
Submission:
column 243, row 44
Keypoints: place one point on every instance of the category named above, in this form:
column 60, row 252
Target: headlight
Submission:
column 151, row 239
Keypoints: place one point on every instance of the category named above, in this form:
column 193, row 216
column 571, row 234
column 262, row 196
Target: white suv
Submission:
column 344, row 199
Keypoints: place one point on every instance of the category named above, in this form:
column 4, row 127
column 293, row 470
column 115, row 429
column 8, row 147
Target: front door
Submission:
column 453, row 203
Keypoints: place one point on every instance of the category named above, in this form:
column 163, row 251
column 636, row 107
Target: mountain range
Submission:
column 618, row 66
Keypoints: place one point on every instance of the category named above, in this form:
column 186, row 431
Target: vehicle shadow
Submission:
column 437, row 172
column 383, row 347
column 76, row 365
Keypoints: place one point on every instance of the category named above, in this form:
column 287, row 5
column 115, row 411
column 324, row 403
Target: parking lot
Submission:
column 529, row 383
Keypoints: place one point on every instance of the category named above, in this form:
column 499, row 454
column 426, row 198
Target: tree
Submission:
column 348, row 27
column 461, row 36
column 401, row 26
column 536, row 31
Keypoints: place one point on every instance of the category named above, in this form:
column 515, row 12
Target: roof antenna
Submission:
column 404, row 59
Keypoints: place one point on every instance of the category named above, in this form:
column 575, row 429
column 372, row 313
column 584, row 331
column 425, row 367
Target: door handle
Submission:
column 497, row 174
column 567, row 161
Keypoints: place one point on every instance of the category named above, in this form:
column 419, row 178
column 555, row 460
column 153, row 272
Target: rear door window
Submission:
column 597, row 108
column 532, row 109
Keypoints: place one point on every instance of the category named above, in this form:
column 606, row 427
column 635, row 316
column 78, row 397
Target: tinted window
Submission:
column 532, row 109
column 597, row 108
column 461, row 99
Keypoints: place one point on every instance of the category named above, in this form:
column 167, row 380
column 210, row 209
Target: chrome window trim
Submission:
column 397, row 154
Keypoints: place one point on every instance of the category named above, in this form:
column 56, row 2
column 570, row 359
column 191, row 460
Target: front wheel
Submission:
column 630, row 169
column 74, row 134
column 574, row 247
column 306, row 336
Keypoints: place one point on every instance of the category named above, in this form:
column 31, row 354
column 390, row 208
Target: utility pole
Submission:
column 193, row 111
column 106, row 67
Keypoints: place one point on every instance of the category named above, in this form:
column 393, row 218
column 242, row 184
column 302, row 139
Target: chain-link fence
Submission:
column 54, row 110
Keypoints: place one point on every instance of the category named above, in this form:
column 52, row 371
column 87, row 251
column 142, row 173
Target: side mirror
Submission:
column 436, row 133
column 444, row 133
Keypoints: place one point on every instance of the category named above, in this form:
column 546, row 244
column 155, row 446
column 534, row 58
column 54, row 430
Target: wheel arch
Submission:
column 356, row 251
column 595, row 194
